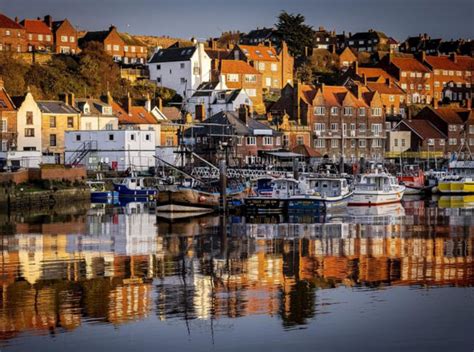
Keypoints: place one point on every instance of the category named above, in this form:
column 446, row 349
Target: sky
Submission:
column 448, row 19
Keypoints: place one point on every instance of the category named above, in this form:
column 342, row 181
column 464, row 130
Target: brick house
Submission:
column 276, row 68
column 347, row 58
column 64, row 34
column 237, row 74
column 249, row 138
column 121, row 46
column 7, row 120
column 293, row 134
column 12, row 35
column 456, row 124
column 343, row 123
column 370, row 41
column 426, row 140
column 39, row 36
column 57, row 117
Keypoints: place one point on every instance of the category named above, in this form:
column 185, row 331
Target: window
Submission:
column 412, row 74
column 251, row 92
column 274, row 67
column 4, row 146
column 451, row 73
column 29, row 132
column 352, row 126
column 52, row 121
column 403, row 142
column 251, row 141
column 72, row 39
column 334, row 127
column 64, row 40
column 232, row 77
column 391, row 98
column 334, row 143
column 404, row 74
column 147, row 137
column 362, row 143
column 267, row 140
column 299, row 140
column 261, row 66
column 376, row 128
column 133, row 49
column 29, row 117
column 404, row 86
column 4, row 127
column 362, row 127
column 239, row 140
column 319, row 127
column 431, row 141
column 40, row 37
column 347, row 111
column 376, row 112
column 453, row 141
column 183, row 80
column 111, row 137
column 70, row 122
column 250, row 78
column 125, row 48
column 319, row 110
column 7, row 32
column 427, row 87
column 30, row 36
column 52, row 140
column 395, row 142
column 268, row 81
column 48, row 38
column 334, row 111
column 132, row 137
column 277, row 142
column 420, row 87
column 377, row 143
column 319, row 143
column 471, row 129
column 109, row 126
column 158, row 67
column 109, row 47
column 362, row 112
column 181, row 65
column 452, row 128
column 116, row 47
column 418, row 74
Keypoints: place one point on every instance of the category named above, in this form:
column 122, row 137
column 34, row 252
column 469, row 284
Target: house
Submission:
column 276, row 67
column 347, row 58
column 261, row 35
column 57, row 117
column 238, row 74
column 213, row 97
column 117, row 149
column 456, row 124
column 121, row 46
column 324, row 39
column 170, row 119
column 38, row 35
column 247, row 138
column 422, row 42
column 370, row 41
column 95, row 114
column 293, row 134
column 412, row 76
column 182, row 69
column 64, row 35
column 343, row 123
column 451, row 80
column 12, row 35
column 393, row 45
column 8, row 130
column 29, row 137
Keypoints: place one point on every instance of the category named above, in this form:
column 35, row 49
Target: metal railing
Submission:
column 80, row 153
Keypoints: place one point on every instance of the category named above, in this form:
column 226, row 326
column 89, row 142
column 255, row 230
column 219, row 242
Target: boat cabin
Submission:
column 325, row 186
column 377, row 182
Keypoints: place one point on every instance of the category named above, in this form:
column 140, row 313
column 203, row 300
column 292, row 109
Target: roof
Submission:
column 18, row 100
column 306, row 151
column 237, row 66
column 260, row 33
column 259, row 52
column 442, row 62
column 136, row 116
column 465, row 62
column 368, row 35
column 284, row 154
column 335, row 95
column 36, row 26
column 130, row 40
column 383, row 88
column 217, row 53
column 374, row 72
column 6, row 104
column 95, row 106
column 56, row 107
column 409, row 64
column 171, row 112
column 173, row 54
column 205, row 89
column 7, row 22
column 424, row 129
column 392, row 41
column 450, row 116
column 98, row 36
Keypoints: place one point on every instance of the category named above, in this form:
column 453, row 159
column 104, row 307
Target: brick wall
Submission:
column 15, row 177
column 59, row 172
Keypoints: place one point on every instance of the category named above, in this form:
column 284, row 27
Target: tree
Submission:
column 292, row 29
column 304, row 73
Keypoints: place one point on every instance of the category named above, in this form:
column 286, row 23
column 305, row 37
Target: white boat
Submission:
column 272, row 194
column 375, row 188
column 328, row 191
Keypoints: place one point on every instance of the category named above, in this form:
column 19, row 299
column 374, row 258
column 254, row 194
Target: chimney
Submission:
column 112, row 28
column 356, row 67
column 48, row 20
column 71, row 99
column 388, row 82
column 269, row 117
column 435, row 103
column 159, row 103
column 296, row 99
column 148, row 103
column 243, row 114
column 306, row 51
column 129, row 104
column 421, row 56
column 110, row 100
column 364, row 79
column 469, row 103
column 200, row 112
column 64, row 97
column 453, row 57
column 16, row 19
column 2, row 84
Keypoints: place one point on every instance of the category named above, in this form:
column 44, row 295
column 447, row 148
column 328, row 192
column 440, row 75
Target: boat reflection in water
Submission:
column 115, row 265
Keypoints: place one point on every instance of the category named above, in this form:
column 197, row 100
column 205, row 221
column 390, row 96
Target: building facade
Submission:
column 12, row 35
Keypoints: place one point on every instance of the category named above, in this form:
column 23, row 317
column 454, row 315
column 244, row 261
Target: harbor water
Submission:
column 100, row 277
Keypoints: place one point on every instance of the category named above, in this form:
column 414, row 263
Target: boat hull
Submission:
column 375, row 198
column 456, row 187
column 124, row 191
column 265, row 205
column 311, row 202
column 188, row 197
column 103, row 196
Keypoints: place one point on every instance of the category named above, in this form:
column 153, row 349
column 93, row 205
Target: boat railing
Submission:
column 373, row 187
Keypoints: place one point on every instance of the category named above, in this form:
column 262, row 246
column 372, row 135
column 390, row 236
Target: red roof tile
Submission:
column 383, row 88
column 409, row 64
column 138, row 115
column 36, row 26
column 424, row 129
column 374, row 72
column 237, row 66
column 451, row 116
column 442, row 62
column 259, row 52
column 6, row 22
column 465, row 62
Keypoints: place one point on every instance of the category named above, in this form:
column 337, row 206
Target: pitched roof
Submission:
column 449, row 115
column 306, row 151
column 237, row 66
column 6, row 22
column 217, row 53
column 335, row 95
column 56, row 107
column 374, row 72
column 465, row 62
column 409, row 64
column 367, row 35
column 36, row 26
column 6, row 104
column 442, row 62
column 173, row 54
column 130, row 40
column 424, row 129
column 383, row 88
column 95, row 106
column 260, row 33
column 171, row 112
column 97, row 36
column 136, row 116
column 259, row 52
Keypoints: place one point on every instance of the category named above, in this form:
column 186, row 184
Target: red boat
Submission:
column 413, row 178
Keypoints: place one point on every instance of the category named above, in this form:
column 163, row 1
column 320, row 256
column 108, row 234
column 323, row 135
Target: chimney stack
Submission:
column 110, row 100
column 2, row 84
column 129, row 104
column 388, row 82
column 71, row 99
column 244, row 114
column 453, row 57
column 364, row 79
column 356, row 67
column 200, row 112
column 64, row 97
column 148, row 103
column 48, row 20
column 435, row 103
column 159, row 103
column 16, row 19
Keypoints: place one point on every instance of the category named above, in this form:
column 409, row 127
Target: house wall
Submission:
column 8, row 137
column 15, row 41
column 29, row 105
column 65, row 47
column 59, row 130
column 39, row 41
column 97, row 122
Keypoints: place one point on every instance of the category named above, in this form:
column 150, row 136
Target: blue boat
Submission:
column 99, row 193
column 134, row 186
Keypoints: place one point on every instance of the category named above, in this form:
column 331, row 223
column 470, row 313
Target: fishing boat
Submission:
column 458, row 201
column 376, row 187
column 321, row 192
column 100, row 194
column 413, row 178
column 271, row 195
column 134, row 186
column 461, row 179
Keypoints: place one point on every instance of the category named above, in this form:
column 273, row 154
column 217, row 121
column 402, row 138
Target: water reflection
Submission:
column 113, row 265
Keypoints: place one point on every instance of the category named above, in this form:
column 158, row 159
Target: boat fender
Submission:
column 202, row 199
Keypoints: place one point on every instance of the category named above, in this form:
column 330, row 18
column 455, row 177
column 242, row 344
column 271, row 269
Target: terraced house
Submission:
column 12, row 35
column 39, row 36
column 351, row 125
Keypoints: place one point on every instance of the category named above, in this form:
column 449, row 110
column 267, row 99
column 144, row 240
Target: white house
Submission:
column 216, row 97
column 119, row 149
column 96, row 115
column 28, row 147
column 180, row 69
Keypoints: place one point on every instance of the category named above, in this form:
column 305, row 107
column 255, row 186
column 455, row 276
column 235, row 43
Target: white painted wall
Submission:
column 127, row 152
column 28, row 105
column 90, row 123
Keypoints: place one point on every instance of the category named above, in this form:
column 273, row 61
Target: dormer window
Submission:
column 106, row 110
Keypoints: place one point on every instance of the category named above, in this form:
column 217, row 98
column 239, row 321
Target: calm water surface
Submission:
column 119, row 278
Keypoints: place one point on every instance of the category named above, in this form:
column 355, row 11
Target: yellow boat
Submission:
column 461, row 180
